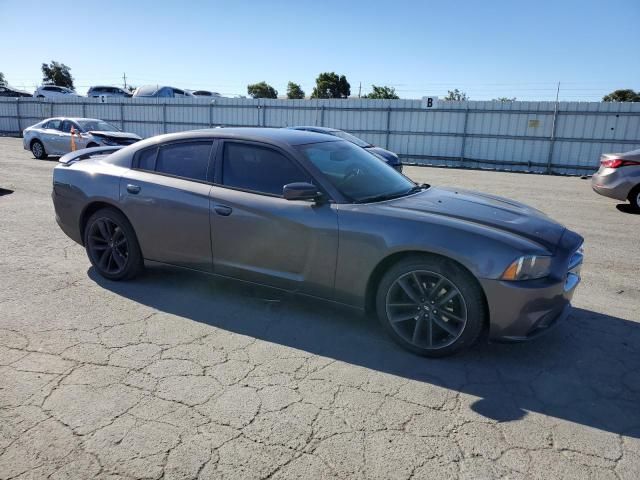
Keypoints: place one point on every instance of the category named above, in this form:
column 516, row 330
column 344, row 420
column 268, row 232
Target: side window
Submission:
column 188, row 160
column 258, row 169
column 147, row 159
column 54, row 124
column 66, row 126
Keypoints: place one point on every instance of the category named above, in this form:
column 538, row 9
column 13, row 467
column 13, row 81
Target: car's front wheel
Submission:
column 431, row 306
column 38, row 150
column 112, row 245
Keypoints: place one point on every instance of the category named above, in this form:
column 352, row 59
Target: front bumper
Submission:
column 522, row 311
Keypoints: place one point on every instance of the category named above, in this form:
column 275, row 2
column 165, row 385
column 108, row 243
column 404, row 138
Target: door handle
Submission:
column 133, row 188
column 223, row 210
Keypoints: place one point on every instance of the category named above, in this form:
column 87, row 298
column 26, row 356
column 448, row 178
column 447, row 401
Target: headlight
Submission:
column 528, row 268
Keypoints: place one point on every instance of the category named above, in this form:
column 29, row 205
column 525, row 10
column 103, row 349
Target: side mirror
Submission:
column 300, row 191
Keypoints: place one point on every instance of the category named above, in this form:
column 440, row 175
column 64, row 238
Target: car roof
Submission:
column 267, row 135
column 73, row 119
column 313, row 128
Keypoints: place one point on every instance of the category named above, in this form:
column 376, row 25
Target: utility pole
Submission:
column 558, row 92
column 359, row 89
column 124, row 79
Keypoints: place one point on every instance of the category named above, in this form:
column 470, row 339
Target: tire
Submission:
column 445, row 306
column 112, row 245
column 634, row 198
column 38, row 151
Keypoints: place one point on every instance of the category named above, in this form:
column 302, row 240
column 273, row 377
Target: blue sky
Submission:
column 485, row 48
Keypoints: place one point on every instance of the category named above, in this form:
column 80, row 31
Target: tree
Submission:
column 131, row 88
column 294, row 91
column 456, row 95
column 624, row 95
column 57, row 74
column 2, row 79
column 504, row 99
column 330, row 85
column 262, row 90
column 382, row 93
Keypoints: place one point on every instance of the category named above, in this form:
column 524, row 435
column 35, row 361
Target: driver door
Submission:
column 257, row 235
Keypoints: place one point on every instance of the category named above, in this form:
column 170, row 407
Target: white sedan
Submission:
column 56, row 136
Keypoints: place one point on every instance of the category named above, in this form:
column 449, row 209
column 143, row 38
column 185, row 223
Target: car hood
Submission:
column 390, row 157
column 98, row 133
column 483, row 209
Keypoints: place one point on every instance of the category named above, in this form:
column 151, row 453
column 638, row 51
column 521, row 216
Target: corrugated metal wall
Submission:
column 564, row 138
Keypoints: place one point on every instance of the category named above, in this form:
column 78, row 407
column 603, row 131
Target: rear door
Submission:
column 166, row 197
column 259, row 236
column 51, row 136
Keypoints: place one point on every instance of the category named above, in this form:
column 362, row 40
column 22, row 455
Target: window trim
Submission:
column 210, row 163
column 220, row 160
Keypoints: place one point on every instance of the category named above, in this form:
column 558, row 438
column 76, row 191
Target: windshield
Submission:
column 97, row 125
column 350, row 138
column 356, row 173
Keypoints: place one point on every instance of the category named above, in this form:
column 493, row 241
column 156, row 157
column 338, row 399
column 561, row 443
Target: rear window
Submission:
column 54, row 124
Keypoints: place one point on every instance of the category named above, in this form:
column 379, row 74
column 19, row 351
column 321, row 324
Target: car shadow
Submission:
column 584, row 371
column 626, row 208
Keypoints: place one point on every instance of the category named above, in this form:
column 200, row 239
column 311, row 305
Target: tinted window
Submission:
column 147, row 159
column 54, row 124
column 52, row 89
column 188, row 160
column 258, row 169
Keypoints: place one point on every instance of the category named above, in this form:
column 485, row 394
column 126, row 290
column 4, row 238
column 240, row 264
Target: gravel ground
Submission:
column 176, row 375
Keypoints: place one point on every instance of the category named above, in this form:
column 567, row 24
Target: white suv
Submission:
column 53, row 91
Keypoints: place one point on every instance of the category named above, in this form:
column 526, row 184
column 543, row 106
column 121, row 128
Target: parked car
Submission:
column 205, row 93
column 53, row 135
column 53, row 91
column 107, row 91
column 160, row 91
column 9, row 91
column 619, row 177
column 317, row 215
column 389, row 157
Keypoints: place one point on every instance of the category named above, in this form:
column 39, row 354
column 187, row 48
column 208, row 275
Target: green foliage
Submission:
column 382, row 93
column 131, row 88
column 2, row 79
column 623, row 95
column 504, row 99
column 57, row 74
column 330, row 85
column 294, row 91
column 262, row 90
column 456, row 95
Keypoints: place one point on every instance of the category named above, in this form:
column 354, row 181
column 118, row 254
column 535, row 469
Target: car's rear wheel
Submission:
column 431, row 306
column 112, row 245
column 634, row 198
column 37, row 148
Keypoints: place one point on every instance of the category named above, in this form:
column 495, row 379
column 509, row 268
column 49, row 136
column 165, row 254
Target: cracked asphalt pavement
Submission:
column 180, row 376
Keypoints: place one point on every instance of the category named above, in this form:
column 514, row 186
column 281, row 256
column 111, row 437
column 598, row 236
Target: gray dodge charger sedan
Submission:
column 317, row 215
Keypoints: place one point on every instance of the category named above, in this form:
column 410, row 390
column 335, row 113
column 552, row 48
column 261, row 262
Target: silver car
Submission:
column 161, row 91
column 320, row 216
column 107, row 91
column 619, row 177
column 53, row 136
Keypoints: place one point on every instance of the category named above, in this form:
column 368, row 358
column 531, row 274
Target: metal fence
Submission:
column 546, row 137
